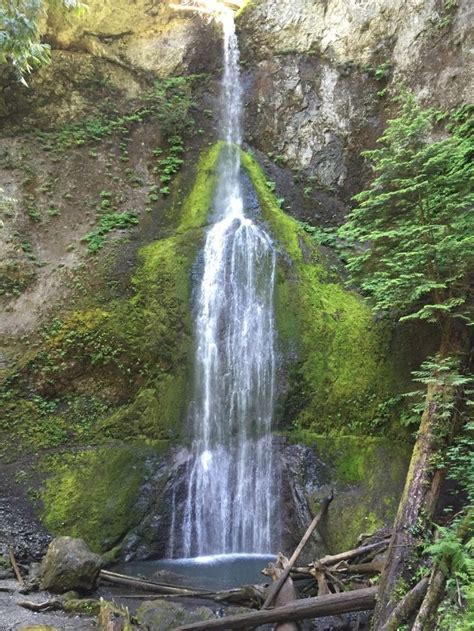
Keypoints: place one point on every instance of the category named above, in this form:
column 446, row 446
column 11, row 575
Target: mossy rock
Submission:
column 86, row 606
column 162, row 615
column 367, row 475
column 91, row 494
column 340, row 366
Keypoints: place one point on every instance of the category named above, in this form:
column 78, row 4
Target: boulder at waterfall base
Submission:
column 69, row 565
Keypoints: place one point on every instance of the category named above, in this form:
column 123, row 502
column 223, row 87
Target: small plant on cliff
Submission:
column 446, row 14
column 112, row 221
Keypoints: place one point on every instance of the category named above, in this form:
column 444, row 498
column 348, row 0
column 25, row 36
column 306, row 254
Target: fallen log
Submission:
column 38, row 607
column 405, row 608
column 250, row 595
column 425, row 620
column 330, row 605
column 332, row 559
column 359, row 568
column 142, row 584
column 275, row 588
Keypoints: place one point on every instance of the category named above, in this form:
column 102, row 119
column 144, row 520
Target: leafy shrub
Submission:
column 112, row 221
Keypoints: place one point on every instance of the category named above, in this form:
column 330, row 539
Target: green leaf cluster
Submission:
column 20, row 43
column 20, row 38
column 411, row 233
column 111, row 221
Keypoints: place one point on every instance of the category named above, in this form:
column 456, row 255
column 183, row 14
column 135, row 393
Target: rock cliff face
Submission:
column 143, row 35
column 319, row 74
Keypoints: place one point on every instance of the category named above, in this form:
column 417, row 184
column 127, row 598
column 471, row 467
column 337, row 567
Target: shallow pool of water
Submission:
column 222, row 571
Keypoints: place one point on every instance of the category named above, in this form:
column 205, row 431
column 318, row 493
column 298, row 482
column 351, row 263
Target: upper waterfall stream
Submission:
column 231, row 491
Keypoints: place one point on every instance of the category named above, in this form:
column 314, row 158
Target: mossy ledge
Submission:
column 339, row 368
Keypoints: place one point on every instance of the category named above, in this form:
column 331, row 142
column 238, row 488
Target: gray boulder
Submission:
column 69, row 565
column 163, row 615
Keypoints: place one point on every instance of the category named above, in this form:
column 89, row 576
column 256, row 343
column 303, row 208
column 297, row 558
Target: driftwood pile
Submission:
column 353, row 569
column 332, row 585
column 335, row 584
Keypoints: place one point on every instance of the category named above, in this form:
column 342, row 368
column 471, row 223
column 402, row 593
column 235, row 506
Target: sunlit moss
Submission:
column 91, row 494
column 340, row 367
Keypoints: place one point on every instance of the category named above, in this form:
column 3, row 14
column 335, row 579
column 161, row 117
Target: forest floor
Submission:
column 13, row 617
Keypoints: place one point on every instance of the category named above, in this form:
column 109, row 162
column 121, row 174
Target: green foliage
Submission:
column 460, row 460
column 19, row 36
column 412, row 231
column 20, row 43
column 455, row 558
column 450, row 554
column 380, row 73
column 451, row 392
column 169, row 101
column 446, row 14
column 167, row 166
column 327, row 237
column 111, row 221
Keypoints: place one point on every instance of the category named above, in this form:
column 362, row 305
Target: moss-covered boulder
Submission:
column 92, row 494
column 69, row 565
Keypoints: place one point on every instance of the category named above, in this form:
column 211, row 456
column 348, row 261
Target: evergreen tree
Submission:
column 413, row 254
column 415, row 222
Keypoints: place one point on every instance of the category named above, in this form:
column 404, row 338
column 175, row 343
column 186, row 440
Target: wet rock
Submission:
column 162, row 616
column 69, row 565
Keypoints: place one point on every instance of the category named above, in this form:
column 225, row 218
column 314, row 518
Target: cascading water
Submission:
column 231, row 492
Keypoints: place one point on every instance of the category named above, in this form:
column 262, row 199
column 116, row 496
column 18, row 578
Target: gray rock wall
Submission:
column 319, row 74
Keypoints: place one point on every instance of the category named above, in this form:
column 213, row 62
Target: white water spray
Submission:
column 231, row 492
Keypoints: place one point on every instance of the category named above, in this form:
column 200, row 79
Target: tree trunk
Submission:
column 304, row 609
column 407, row 606
column 426, row 616
column 418, row 499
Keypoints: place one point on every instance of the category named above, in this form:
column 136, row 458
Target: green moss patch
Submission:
column 367, row 475
column 340, row 369
column 91, row 494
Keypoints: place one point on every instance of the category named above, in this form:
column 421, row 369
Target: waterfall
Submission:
column 231, row 492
